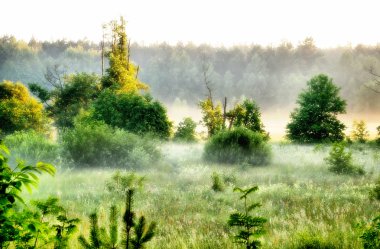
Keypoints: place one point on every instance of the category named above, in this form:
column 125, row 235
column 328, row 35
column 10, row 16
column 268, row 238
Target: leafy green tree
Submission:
column 66, row 101
column 134, row 113
column 186, row 130
column 315, row 120
column 250, row 227
column 247, row 115
column 359, row 132
column 19, row 110
column 122, row 73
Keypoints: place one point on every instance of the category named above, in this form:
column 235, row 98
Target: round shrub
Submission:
column 239, row 145
column 32, row 146
column 97, row 144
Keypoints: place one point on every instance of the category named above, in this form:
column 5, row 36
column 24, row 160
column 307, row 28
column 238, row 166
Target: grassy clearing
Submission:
column 299, row 196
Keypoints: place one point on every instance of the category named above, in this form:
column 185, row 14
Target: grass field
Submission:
column 299, row 196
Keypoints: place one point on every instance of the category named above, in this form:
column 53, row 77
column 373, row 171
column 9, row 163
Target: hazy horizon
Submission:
column 220, row 23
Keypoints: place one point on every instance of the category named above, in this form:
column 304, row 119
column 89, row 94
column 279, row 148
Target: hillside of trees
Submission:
column 273, row 76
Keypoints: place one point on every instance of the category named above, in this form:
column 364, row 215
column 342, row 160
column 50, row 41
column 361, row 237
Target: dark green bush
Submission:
column 371, row 235
column 340, row 161
column 97, row 144
column 311, row 240
column 239, row 145
column 132, row 112
column 32, row 146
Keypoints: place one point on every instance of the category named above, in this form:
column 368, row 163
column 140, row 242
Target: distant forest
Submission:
column 272, row 76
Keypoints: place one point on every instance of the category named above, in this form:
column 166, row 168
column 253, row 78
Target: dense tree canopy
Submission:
column 19, row 110
column 132, row 112
column 65, row 102
column 315, row 120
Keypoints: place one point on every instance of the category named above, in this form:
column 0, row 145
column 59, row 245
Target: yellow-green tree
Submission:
column 122, row 73
column 212, row 116
column 359, row 132
column 19, row 110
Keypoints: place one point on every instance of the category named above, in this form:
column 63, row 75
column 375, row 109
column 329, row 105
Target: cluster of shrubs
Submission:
column 87, row 145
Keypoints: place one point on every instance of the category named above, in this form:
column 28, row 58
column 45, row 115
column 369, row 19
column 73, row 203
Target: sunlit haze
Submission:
column 270, row 22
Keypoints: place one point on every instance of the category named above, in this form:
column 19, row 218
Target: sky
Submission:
column 215, row 22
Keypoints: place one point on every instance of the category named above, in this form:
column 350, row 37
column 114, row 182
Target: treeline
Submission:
column 273, row 76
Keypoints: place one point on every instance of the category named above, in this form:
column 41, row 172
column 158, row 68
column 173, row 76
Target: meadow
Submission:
column 301, row 199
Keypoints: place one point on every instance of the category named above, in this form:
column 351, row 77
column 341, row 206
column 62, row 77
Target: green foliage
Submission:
column 371, row 235
column 17, row 226
column 122, row 73
column 246, row 115
column 65, row 101
column 315, row 120
column 143, row 233
column 212, row 116
column 111, row 239
column 99, row 238
column 95, row 241
column 250, row 228
column 63, row 226
column 32, row 146
column 359, row 132
column 134, row 113
column 217, row 183
column 340, row 161
column 97, row 144
column 186, row 130
column 239, row 145
column 19, row 110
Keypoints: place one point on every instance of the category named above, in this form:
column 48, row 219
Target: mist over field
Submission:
column 189, row 125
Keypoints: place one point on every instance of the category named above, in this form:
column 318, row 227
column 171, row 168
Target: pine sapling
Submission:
column 111, row 240
column 249, row 227
column 95, row 241
column 143, row 233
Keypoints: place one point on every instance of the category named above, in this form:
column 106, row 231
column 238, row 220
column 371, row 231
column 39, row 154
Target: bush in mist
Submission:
column 132, row 112
column 316, row 118
column 186, row 131
column 19, row 110
column 97, row 144
column 32, row 146
column 239, row 145
column 340, row 161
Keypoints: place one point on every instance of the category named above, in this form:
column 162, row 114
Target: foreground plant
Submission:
column 14, row 225
column 250, row 228
column 136, row 233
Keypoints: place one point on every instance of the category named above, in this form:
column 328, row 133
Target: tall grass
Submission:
column 302, row 200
